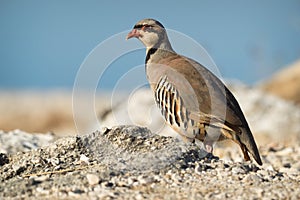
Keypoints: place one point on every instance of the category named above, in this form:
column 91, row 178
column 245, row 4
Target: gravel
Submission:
column 130, row 162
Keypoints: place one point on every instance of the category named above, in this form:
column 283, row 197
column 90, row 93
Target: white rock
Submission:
column 84, row 158
column 93, row 179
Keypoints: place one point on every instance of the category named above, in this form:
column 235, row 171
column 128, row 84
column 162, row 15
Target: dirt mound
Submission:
column 129, row 162
column 285, row 83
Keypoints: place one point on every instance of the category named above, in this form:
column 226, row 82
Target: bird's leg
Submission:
column 244, row 150
column 208, row 145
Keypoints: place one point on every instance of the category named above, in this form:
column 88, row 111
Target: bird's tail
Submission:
column 245, row 139
column 248, row 144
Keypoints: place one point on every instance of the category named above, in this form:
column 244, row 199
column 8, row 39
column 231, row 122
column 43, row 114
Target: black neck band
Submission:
column 150, row 52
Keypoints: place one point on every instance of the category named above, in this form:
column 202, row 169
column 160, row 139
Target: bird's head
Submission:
column 150, row 32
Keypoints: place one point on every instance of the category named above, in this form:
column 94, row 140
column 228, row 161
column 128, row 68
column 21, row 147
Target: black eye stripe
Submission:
column 138, row 26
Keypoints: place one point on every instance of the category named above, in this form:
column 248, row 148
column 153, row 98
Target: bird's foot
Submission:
column 210, row 157
column 209, row 149
column 206, row 156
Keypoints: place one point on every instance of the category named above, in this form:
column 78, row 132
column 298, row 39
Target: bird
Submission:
column 193, row 101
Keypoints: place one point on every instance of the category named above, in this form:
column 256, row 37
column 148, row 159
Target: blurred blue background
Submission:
column 43, row 43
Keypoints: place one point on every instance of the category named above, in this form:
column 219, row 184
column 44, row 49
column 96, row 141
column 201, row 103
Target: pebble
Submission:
column 16, row 167
column 251, row 177
column 42, row 191
column 36, row 160
column 238, row 170
column 93, row 179
column 84, row 159
column 3, row 159
column 144, row 180
column 263, row 173
column 285, row 151
column 288, row 170
column 41, row 178
column 54, row 161
column 75, row 194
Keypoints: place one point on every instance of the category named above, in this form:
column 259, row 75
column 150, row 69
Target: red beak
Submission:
column 133, row 33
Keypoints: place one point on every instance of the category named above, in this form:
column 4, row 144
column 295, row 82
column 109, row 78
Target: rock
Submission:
column 55, row 161
column 252, row 178
column 42, row 191
column 41, row 178
column 285, row 151
column 3, row 159
column 93, row 179
column 142, row 179
column 238, row 170
column 84, row 159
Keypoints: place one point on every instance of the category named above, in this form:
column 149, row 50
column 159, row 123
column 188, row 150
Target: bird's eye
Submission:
column 146, row 27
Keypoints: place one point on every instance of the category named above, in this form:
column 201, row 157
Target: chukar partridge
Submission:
column 193, row 101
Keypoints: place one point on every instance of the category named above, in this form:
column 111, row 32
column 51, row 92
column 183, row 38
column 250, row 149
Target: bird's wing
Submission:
column 202, row 92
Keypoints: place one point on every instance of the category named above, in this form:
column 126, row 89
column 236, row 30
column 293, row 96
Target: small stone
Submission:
column 296, row 166
column 131, row 181
column 153, row 148
column 252, row 177
column 3, row 159
column 259, row 192
column 263, row 173
column 121, row 184
column 92, row 179
column 84, row 159
column 36, row 160
column 287, row 165
column 15, row 167
column 55, row 161
column 199, row 168
column 269, row 167
column 107, row 184
column 104, row 130
column 288, row 170
column 29, row 145
column 42, row 191
column 75, row 194
column 58, row 167
column 285, row 151
column 144, row 180
column 41, row 178
column 139, row 196
column 238, row 170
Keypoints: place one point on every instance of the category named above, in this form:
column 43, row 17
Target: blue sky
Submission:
column 43, row 43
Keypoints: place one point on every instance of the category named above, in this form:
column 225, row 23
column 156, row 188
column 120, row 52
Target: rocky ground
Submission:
column 129, row 162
